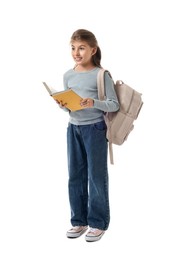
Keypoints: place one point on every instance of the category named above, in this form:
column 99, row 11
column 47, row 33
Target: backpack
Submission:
column 120, row 123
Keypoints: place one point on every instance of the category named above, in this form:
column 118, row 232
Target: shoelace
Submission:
column 92, row 230
column 75, row 228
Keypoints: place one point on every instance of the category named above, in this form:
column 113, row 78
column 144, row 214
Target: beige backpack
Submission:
column 120, row 123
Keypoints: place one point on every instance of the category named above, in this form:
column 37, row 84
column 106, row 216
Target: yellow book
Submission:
column 68, row 97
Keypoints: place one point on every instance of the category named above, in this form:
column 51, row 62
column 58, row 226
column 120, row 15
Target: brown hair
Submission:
column 89, row 37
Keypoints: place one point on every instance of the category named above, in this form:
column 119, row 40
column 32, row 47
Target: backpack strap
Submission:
column 111, row 153
column 100, row 84
column 101, row 96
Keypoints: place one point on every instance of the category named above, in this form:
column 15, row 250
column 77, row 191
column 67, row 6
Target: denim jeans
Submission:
column 88, row 175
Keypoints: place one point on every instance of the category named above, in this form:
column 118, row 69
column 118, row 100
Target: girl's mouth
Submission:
column 78, row 59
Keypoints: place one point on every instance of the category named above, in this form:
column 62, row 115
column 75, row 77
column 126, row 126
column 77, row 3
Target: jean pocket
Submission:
column 101, row 126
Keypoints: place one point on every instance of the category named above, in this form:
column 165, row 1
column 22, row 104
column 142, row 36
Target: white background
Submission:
column 139, row 43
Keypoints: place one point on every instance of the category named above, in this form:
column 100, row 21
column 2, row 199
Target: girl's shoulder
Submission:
column 68, row 73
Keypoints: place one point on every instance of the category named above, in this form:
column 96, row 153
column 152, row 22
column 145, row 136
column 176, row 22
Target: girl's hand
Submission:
column 87, row 102
column 61, row 103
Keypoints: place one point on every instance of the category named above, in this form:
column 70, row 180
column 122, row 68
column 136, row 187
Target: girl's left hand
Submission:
column 87, row 102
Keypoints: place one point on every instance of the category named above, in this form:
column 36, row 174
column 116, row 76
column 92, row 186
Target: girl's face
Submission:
column 82, row 53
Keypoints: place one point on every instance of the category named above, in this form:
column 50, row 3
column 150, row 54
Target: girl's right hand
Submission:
column 60, row 103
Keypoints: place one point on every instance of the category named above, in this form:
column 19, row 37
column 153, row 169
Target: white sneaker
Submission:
column 94, row 234
column 76, row 231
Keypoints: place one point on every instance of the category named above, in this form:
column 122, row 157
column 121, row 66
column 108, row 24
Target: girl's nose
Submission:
column 76, row 52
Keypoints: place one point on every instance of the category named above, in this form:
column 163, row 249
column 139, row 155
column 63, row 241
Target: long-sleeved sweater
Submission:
column 85, row 85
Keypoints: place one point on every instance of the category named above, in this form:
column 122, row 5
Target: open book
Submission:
column 68, row 97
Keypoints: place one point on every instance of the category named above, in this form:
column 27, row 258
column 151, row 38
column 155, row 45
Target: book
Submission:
column 68, row 97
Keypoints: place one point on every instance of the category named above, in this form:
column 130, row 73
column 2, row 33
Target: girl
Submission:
column 86, row 140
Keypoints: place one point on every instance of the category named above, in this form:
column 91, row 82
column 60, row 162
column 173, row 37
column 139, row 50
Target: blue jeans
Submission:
column 88, row 175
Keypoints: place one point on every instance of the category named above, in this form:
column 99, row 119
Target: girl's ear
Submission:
column 94, row 50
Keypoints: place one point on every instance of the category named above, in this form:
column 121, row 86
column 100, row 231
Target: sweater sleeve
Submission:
column 110, row 104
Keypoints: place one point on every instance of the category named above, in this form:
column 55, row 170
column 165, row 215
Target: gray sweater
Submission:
column 85, row 85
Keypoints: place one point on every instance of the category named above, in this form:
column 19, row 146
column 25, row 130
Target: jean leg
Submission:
column 97, row 150
column 78, row 176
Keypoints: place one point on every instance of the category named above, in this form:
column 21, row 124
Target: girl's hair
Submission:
column 89, row 37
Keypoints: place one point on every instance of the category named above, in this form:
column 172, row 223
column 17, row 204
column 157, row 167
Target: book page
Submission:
column 49, row 89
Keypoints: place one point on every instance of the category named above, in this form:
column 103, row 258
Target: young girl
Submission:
column 86, row 140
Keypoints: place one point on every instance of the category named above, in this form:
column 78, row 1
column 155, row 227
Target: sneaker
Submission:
column 76, row 231
column 94, row 234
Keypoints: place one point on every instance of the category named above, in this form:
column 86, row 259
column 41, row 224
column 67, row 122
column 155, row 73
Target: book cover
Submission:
column 68, row 97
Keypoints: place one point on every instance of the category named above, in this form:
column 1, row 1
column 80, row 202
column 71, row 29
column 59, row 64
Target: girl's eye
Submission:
column 78, row 49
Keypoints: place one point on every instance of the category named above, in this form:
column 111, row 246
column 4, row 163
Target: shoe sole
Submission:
column 76, row 234
column 93, row 238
